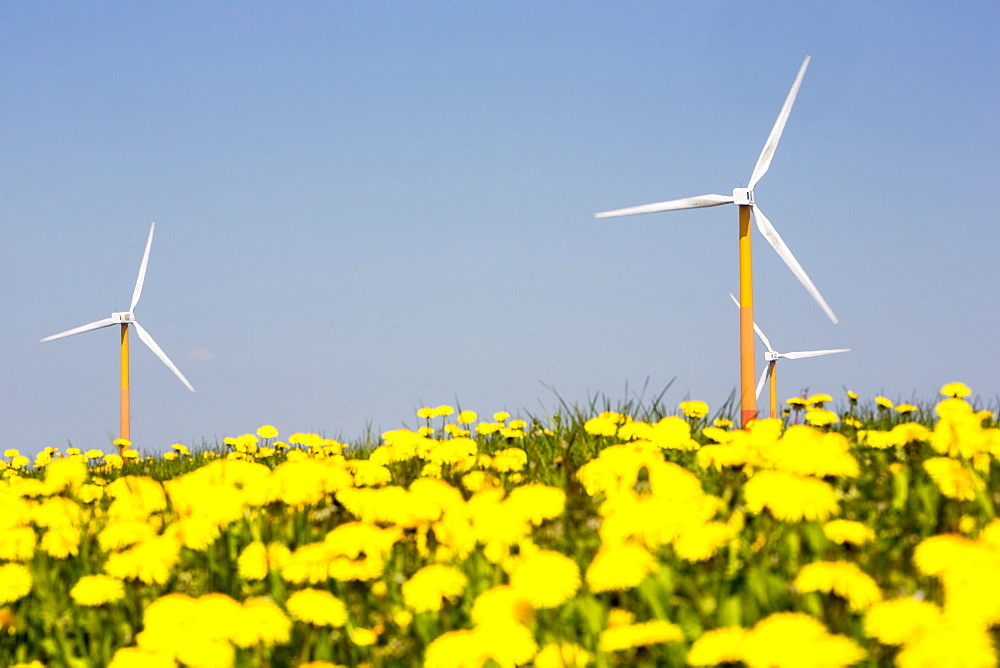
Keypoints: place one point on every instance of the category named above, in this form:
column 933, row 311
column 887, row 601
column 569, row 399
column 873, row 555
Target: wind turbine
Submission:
column 743, row 197
column 772, row 356
column 126, row 318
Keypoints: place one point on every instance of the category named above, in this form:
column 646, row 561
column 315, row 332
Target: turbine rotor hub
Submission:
column 770, row 357
column 122, row 318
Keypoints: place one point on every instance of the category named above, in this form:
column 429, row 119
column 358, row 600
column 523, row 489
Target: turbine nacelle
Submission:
column 743, row 196
column 123, row 318
column 771, row 356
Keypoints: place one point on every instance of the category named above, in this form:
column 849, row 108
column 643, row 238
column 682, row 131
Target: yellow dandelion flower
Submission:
column 467, row 417
column 809, row 451
column 501, row 602
column 937, row 554
column 638, row 635
column 797, row 403
column 722, row 423
column 509, row 459
column 65, row 474
column 402, row 618
column 724, row 645
column 957, row 390
column 429, row 587
column 908, row 432
column 619, row 617
column 672, row 433
column 883, row 403
column 136, row 657
column 120, row 535
column 96, row 590
column 61, row 542
column 620, row 566
column 967, row 525
column 150, row 561
column 790, row 497
column 694, row 409
column 952, row 478
column 847, row 531
column 455, row 430
column 267, row 431
column 700, row 541
column 601, row 426
column 536, row 502
column 852, row 397
column 317, row 607
column 841, row 578
column 793, row 640
column 17, row 544
column 11, row 452
column 455, row 649
column 475, row 481
column 252, row 562
column 362, row 637
column 950, row 643
column 425, row 413
column 897, row 621
column 546, row 578
column 20, row 462
column 15, row 582
column 261, row 622
column 563, row 655
column 487, row 428
column 819, row 417
column 90, row 493
column 818, row 400
column 903, row 409
column 501, row 416
column 505, row 642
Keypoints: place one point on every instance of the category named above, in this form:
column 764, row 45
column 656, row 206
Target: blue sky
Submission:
column 365, row 208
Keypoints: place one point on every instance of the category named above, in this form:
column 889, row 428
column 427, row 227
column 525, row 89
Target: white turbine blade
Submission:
column 760, row 334
column 142, row 270
column 148, row 340
column 813, row 353
column 672, row 205
column 773, row 238
column 106, row 322
column 764, row 161
column 763, row 378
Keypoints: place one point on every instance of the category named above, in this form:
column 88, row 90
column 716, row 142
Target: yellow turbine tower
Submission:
column 124, row 319
column 743, row 197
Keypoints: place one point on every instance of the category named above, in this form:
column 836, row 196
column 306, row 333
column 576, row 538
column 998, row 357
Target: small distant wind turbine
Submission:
column 771, row 358
column 743, row 197
column 125, row 319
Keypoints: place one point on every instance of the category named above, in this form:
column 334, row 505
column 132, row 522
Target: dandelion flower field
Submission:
column 862, row 534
